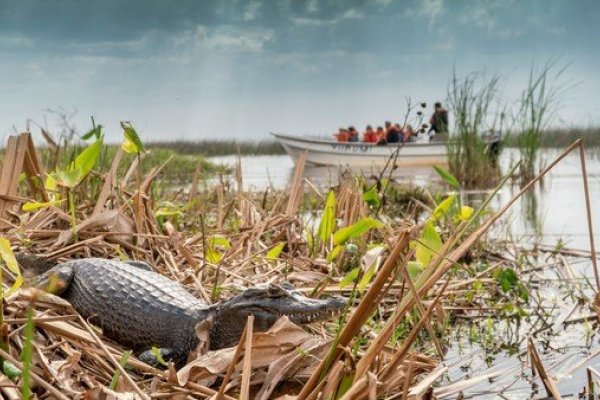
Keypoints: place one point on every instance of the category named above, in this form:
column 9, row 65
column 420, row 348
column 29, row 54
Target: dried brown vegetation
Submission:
column 220, row 241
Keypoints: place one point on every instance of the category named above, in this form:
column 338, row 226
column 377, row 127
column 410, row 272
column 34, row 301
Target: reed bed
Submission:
column 400, row 272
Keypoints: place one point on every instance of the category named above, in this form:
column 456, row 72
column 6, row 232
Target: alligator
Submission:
column 142, row 309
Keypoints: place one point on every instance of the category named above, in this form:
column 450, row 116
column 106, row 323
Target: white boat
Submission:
column 360, row 154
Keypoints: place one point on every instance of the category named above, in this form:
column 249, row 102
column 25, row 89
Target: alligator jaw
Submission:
column 267, row 304
column 311, row 310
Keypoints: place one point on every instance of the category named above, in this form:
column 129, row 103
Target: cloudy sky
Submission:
column 192, row 69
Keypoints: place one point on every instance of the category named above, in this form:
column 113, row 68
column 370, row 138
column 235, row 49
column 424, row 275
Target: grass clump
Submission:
column 473, row 100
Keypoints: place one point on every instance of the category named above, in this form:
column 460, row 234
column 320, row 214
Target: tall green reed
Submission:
column 474, row 105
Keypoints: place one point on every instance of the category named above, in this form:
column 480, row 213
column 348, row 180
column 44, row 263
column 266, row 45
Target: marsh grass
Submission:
column 535, row 112
column 473, row 102
column 211, row 148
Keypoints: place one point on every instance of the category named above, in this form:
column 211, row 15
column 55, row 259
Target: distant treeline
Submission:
column 210, row 148
column 563, row 137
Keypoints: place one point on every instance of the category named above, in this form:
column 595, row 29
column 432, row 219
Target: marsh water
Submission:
column 485, row 357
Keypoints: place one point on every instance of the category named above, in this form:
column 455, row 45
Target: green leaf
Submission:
column 123, row 361
column 414, row 269
column 447, row 176
column 86, row 160
column 444, row 207
column 94, row 132
column 132, row 143
column 523, row 293
column 10, row 370
column 156, row 352
column 428, row 245
column 364, row 281
column 7, row 255
column 327, row 224
column 333, row 254
column 349, row 278
column 371, row 197
column 275, row 252
column 466, row 213
column 507, row 278
column 220, row 241
column 355, row 230
column 34, row 205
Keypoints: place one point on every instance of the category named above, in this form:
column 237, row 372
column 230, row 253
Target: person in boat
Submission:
column 354, row 137
column 438, row 122
column 380, row 135
column 342, row 135
column 408, row 133
column 392, row 134
column 370, row 136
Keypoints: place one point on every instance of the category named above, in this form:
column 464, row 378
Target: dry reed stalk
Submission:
column 588, row 209
column 422, row 311
column 113, row 360
column 537, row 366
column 247, row 363
column 109, row 183
column 295, row 190
column 407, row 343
column 236, row 356
column 362, row 312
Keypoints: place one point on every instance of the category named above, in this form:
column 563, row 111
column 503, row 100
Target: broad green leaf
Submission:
column 213, row 256
column 443, row 209
column 447, row 176
column 275, row 252
column 68, row 178
column 132, row 142
column 86, row 160
column 50, row 184
column 428, row 245
column 414, row 269
column 166, row 212
column 364, row 281
column 355, row 230
column 465, row 213
column 7, row 255
column 327, row 224
column 371, row 197
column 349, row 278
column 333, row 254
column 34, row 205
column 10, row 370
column 219, row 241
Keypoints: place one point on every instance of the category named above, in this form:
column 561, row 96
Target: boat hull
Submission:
column 360, row 154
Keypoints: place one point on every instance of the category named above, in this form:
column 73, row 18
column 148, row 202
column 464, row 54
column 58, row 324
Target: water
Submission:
column 554, row 210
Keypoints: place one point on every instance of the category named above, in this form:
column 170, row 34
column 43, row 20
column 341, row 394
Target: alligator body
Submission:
column 142, row 309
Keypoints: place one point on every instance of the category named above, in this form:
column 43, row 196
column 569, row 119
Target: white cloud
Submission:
column 251, row 11
column 350, row 14
column 485, row 15
column 312, row 6
column 432, row 9
column 15, row 40
column 224, row 38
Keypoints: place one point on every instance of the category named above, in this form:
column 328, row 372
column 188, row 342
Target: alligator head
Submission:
column 267, row 303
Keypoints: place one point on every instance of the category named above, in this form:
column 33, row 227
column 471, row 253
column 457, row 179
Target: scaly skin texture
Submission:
column 141, row 309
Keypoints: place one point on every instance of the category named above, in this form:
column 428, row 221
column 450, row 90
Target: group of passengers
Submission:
column 394, row 133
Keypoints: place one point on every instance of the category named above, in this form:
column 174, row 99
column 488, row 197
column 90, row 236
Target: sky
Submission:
column 223, row 69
